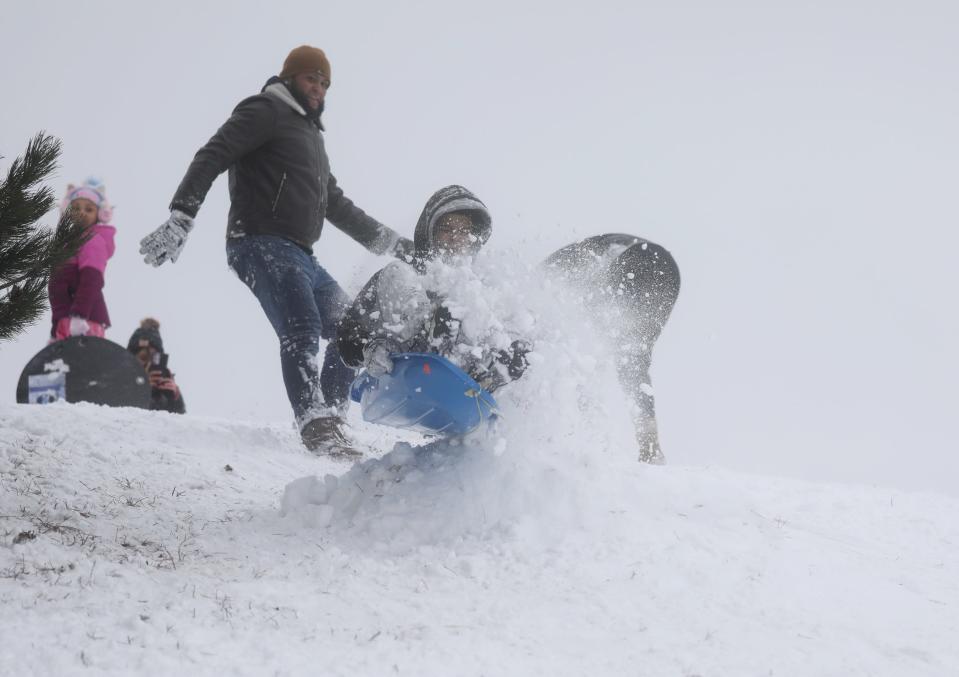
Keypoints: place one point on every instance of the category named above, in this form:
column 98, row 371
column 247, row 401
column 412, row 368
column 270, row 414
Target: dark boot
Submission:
column 324, row 435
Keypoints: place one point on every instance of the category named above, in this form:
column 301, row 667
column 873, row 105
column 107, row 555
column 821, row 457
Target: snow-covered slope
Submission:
column 135, row 542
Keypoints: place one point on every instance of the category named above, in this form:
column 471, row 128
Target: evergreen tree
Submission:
column 29, row 252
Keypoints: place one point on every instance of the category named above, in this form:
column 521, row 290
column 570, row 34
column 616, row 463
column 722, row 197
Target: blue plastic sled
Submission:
column 426, row 393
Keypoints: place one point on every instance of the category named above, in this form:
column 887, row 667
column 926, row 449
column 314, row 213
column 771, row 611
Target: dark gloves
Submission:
column 403, row 249
column 491, row 377
column 377, row 356
column 514, row 359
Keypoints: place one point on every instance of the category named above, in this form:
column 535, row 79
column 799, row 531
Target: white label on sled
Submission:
column 46, row 388
column 57, row 366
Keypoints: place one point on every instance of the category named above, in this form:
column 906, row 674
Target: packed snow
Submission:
column 144, row 542
column 148, row 543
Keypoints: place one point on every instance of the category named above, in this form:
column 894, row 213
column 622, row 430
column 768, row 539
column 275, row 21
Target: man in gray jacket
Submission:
column 281, row 190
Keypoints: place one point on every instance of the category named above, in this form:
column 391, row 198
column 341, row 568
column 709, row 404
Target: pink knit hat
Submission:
column 93, row 190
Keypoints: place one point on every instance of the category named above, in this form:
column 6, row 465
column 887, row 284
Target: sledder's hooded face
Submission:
column 454, row 234
column 454, row 223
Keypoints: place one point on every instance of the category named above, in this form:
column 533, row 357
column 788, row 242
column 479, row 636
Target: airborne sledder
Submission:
column 424, row 369
column 429, row 369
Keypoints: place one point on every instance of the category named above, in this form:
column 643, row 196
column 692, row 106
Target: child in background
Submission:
column 76, row 288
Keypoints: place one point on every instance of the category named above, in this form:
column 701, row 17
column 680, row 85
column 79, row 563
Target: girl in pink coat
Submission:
column 76, row 288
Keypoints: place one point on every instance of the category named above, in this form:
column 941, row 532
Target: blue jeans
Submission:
column 303, row 303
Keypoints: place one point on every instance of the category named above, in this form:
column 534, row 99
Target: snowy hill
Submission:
column 136, row 542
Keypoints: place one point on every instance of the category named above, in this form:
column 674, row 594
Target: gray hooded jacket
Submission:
column 396, row 303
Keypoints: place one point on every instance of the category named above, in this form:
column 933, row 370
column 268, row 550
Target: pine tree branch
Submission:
column 22, row 307
column 20, row 203
column 68, row 237
column 36, row 164
column 28, row 256
column 45, row 251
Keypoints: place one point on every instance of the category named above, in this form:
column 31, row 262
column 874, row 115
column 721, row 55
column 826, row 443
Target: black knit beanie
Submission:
column 150, row 331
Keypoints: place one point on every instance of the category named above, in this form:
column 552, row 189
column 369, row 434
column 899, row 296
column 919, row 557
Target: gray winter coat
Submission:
column 280, row 180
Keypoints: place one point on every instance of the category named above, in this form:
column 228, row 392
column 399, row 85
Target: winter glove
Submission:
column 166, row 242
column 488, row 379
column 376, row 356
column 403, row 249
column 78, row 326
column 514, row 359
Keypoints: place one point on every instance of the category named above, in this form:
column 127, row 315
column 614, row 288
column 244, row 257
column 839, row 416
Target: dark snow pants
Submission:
column 303, row 303
column 634, row 284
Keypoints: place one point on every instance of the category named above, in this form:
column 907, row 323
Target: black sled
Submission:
column 85, row 369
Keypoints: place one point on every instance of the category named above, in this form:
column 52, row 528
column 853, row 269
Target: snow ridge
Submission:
column 135, row 541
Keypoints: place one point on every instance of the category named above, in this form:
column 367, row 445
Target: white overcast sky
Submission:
column 800, row 160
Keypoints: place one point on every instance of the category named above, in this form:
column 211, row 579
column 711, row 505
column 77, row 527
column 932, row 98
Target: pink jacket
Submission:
column 76, row 288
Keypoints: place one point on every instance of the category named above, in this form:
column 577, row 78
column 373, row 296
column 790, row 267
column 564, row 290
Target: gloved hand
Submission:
column 166, row 242
column 376, row 356
column 489, row 379
column 403, row 249
column 78, row 326
column 514, row 359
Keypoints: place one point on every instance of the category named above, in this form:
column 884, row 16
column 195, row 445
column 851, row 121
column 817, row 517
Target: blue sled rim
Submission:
column 425, row 393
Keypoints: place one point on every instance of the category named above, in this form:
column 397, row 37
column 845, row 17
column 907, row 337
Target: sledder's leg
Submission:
column 643, row 282
column 648, row 277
